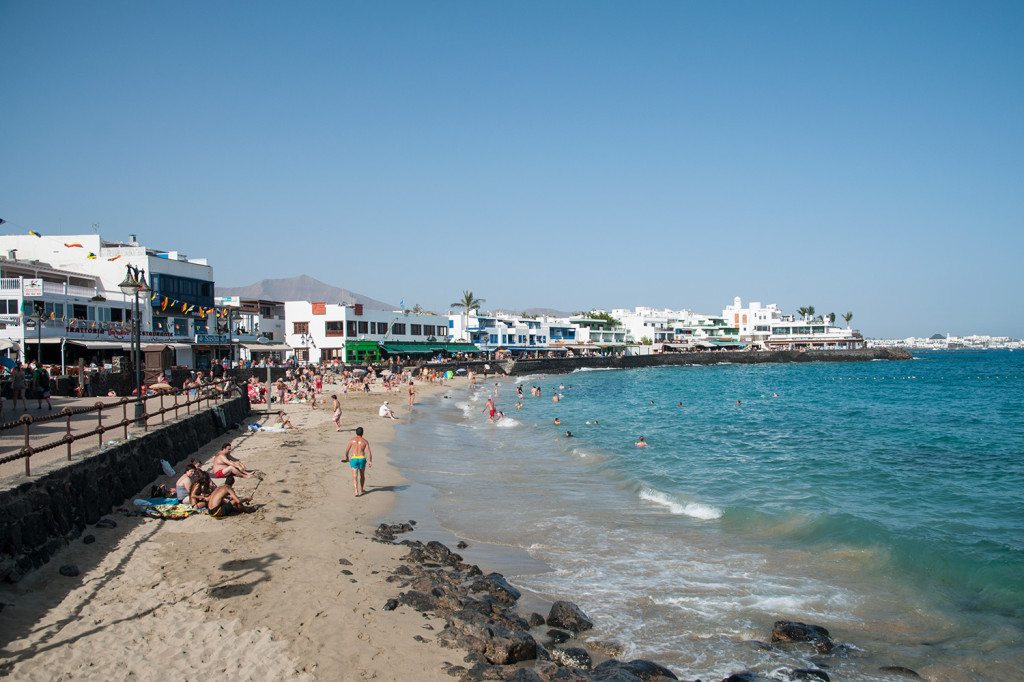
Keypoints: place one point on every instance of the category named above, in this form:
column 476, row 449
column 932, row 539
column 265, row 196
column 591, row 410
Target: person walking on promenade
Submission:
column 412, row 394
column 337, row 412
column 18, row 386
column 358, row 456
column 41, row 381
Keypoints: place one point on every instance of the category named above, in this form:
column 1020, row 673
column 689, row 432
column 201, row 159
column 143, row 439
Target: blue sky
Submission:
column 854, row 156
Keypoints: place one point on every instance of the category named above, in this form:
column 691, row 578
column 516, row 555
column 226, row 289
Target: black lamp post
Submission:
column 133, row 285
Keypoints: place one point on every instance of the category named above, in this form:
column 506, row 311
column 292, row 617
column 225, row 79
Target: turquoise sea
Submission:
column 883, row 500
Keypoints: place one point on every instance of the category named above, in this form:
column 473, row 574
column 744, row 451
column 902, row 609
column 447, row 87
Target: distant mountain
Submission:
column 302, row 288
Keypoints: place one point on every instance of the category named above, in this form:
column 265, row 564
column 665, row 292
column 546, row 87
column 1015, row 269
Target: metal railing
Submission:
column 214, row 392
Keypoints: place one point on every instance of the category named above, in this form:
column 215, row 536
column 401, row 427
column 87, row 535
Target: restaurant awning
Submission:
column 101, row 345
column 413, row 348
column 266, row 347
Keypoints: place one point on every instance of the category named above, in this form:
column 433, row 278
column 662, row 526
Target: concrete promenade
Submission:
column 13, row 439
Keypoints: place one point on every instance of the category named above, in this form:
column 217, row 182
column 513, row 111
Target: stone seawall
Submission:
column 40, row 516
column 563, row 365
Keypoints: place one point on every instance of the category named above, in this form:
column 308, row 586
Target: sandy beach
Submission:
column 292, row 591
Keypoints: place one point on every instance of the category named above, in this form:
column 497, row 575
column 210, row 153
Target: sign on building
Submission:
column 213, row 339
column 31, row 287
column 231, row 302
column 319, row 307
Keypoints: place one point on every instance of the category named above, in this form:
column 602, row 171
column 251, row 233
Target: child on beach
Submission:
column 336, row 406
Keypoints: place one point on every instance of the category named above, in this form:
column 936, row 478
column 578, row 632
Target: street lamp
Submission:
column 134, row 284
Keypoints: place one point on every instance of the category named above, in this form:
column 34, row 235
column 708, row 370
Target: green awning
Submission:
column 729, row 344
column 414, row 348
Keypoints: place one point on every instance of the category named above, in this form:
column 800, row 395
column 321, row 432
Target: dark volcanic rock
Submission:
column 495, row 585
column 344, row 562
column 461, row 545
column 536, row 619
column 566, row 615
column 69, row 570
column 899, row 670
column 809, row 674
column 793, row 631
column 572, row 657
column 640, row 669
column 745, row 676
column 89, row 539
column 106, row 523
column 421, row 601
column 559, row 636
column 506, row 646
column 391, row 605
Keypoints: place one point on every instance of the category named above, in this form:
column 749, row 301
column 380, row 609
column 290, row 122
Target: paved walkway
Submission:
column 13, row 439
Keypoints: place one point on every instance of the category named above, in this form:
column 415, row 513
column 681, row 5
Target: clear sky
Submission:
column 862, row 156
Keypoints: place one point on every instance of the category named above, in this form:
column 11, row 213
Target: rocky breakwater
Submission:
column 563, row 365
column 481, row 618
column 43, row 514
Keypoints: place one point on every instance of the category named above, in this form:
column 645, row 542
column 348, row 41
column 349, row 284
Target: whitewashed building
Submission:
column 351, row 333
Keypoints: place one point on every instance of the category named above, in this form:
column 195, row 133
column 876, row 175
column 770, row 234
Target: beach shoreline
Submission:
column 293, row 591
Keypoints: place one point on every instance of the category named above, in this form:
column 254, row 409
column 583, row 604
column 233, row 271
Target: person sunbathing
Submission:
column 283, row 421
column 224, row 464
column 199, row 493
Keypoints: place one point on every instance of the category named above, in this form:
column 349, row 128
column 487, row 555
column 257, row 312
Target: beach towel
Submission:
column 154, row 501
column 170, row 512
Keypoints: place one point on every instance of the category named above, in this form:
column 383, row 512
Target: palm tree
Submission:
column 802, row 312
column 847, row 316
column 831, row 318
column 810, row 312
column 468, row 304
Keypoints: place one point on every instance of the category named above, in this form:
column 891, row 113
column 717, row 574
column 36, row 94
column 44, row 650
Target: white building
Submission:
column 318, row 332
column 518, row 333
column 81, row 297
column 257, row 327
column 752, row 321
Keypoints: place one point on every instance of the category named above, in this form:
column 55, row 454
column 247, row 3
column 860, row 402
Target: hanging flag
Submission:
column 91, row 256
column 74, row 245
column 115, row 257
column 163, row 306
column 35, row 234
column 151, row 298
column 53, row 314
column 184, row 307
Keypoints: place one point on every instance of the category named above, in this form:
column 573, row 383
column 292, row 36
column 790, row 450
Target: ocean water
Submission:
column 883, row 500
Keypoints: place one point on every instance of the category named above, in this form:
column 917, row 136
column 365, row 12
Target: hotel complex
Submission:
column 64, row 299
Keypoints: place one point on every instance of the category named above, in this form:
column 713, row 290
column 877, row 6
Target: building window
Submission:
column 335, row 328
column 416, row 329
column 302, row 354
column 180, row 326
column 398, row 329
column 200, row 326
column 159, row 324
column 351, row 328
column 300, row 327
column 54, row 309
column 364, row 327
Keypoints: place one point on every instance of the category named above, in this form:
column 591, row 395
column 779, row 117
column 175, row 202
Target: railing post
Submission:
column 27, row 421
column 67, row 411
column 162, row 419
column 99, row 422
column 124, row 419
column 175, row 405
column 145, row 413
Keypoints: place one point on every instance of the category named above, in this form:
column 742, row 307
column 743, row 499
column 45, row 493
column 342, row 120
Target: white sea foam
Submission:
column 507, row 422
column 593, row 369
column 695, row 510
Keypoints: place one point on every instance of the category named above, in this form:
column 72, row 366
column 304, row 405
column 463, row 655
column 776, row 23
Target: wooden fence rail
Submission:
column 215, row 392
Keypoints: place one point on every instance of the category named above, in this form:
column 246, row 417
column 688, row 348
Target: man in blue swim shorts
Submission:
column 358, row 456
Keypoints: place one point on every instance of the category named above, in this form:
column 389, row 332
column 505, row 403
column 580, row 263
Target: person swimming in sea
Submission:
column 641, row 443
column 558, row 422
column 568, row 434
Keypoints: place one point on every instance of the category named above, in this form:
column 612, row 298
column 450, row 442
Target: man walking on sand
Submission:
column 412, row 394
column 358, row 456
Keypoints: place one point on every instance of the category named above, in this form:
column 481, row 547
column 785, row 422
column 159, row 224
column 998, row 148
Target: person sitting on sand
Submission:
column 225, row 464
column 184, row 483
column 283, row 421
column 641, row 443
column 202, row 488
column 223, row 501
column 386, row 412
